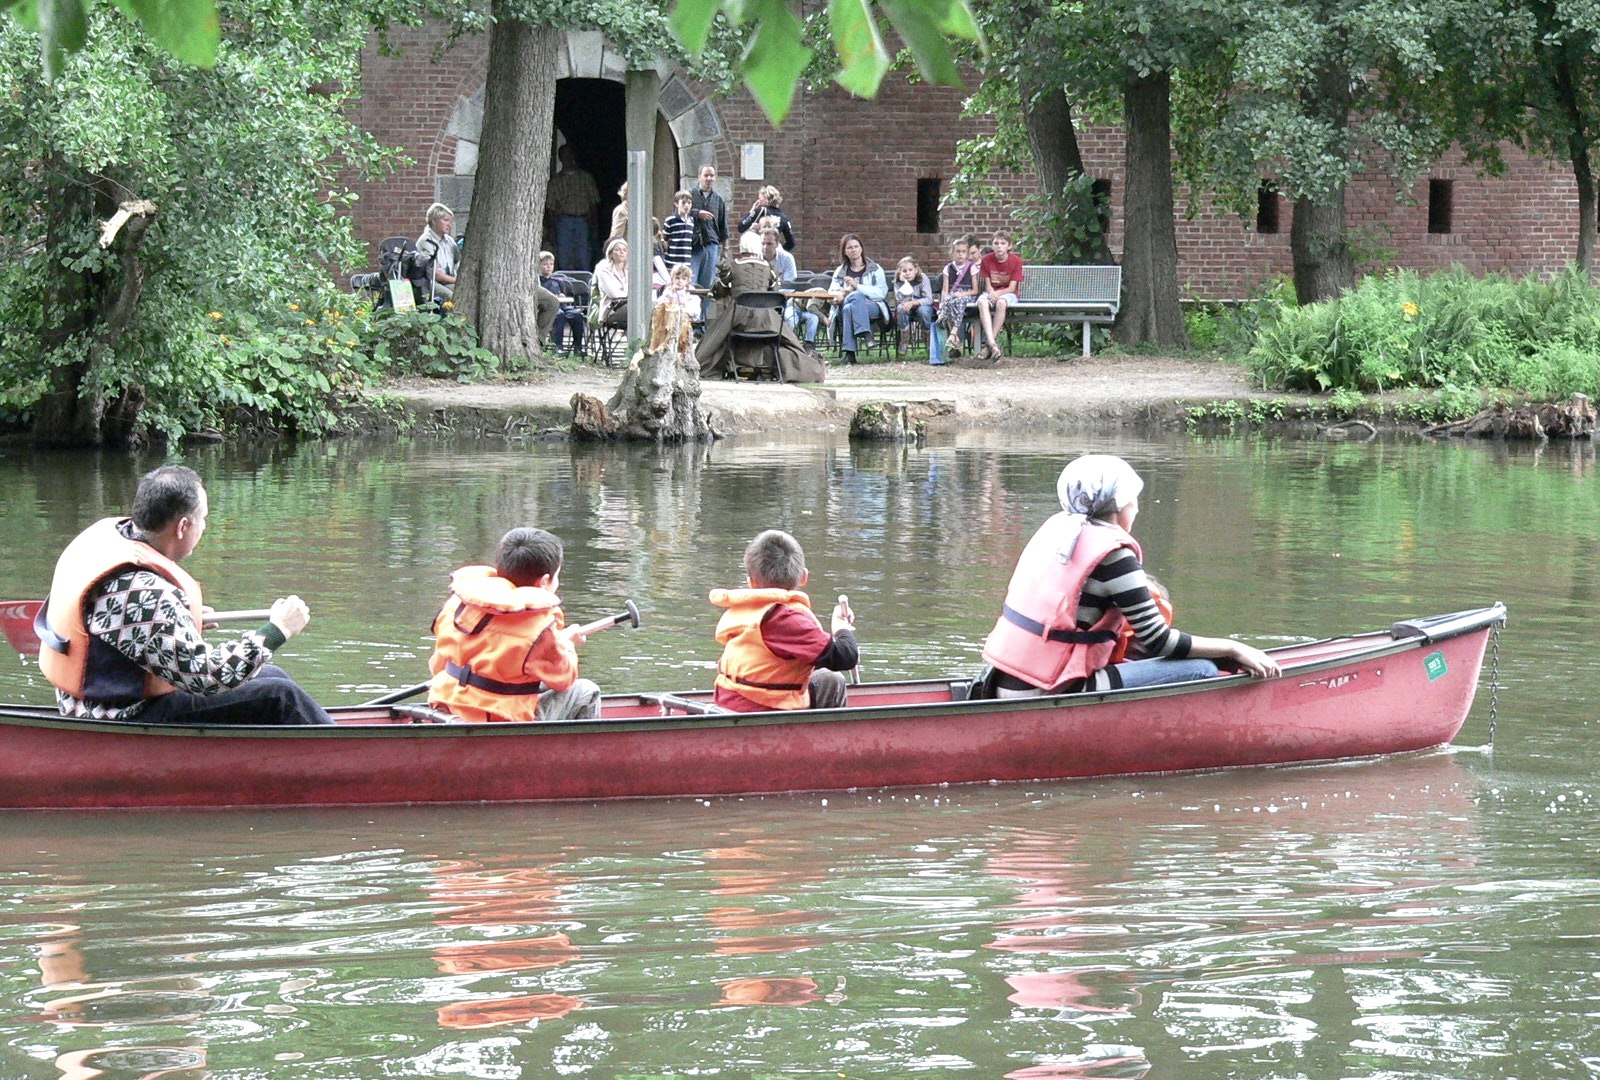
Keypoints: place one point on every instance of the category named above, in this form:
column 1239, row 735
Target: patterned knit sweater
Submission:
column 146, row 618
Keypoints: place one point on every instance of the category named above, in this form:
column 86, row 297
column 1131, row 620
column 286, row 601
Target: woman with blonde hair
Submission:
column 768, row 199
column 611, row 280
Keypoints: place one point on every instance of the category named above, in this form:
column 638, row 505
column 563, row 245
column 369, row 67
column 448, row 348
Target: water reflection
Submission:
column 1419, row 917
column 494, row 902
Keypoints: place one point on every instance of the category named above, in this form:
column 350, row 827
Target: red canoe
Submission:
column 1406, row 688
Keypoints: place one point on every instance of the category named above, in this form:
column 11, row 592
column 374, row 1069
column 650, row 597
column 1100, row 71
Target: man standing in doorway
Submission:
column 571, row 202
column 710, row 227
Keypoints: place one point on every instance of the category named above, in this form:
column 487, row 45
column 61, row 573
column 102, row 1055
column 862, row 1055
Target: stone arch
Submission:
column 688, row 118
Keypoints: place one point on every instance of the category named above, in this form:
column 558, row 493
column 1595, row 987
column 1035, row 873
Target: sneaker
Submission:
column 864, row 341
column 847, row 357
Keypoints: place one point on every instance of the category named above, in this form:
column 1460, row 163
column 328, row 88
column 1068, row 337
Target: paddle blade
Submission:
column 16, row 622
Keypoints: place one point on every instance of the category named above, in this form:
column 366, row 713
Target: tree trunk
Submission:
column 1054, row 140
column 1323, row 264
column 500, row 268
column 1150, row 312
column 1583, row 174
column 1565, row 83
column 69, row 413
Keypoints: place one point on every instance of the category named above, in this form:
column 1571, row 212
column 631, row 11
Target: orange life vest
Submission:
column 747, row 666
column 1037, row 638
column 1126, row 637
column 74, row 660
column 495, row 648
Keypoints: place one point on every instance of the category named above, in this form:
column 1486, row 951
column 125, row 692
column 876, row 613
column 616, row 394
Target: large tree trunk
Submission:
column 1323, row 264
column 500, row 269
column 85, row 318
column 69, row 413
column 1583, row 174
column 1054, row 140
column 1579, row 142
column 1150, row 312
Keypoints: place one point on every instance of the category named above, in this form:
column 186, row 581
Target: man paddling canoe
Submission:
column 120, row 631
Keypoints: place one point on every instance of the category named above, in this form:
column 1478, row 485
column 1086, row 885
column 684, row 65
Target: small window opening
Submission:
column 1267, row 204
column 1441, row 205
column 928, row 204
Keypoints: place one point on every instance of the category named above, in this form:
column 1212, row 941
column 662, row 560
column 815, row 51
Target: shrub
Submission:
column 1450, row 329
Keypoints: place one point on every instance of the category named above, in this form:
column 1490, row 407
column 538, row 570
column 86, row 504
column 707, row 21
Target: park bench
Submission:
column 1065, row 294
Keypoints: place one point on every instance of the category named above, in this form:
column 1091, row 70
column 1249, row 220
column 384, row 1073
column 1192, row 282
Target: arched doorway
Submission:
column 591, row 111
column 589, row 116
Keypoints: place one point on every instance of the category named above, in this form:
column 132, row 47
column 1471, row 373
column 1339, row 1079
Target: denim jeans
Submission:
column 572, row 243
column 270, row 696
column 705, row 265
column 855, row 318
column 804, row 322
column 1160, row 672
column 924, row 315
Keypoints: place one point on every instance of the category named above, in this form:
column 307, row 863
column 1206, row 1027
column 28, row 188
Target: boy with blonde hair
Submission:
column 775, row 653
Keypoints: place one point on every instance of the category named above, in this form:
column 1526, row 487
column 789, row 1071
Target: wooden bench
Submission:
column 1065, row 294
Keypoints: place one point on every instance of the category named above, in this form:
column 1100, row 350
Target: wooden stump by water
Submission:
column 659, row 397
column 896, row 421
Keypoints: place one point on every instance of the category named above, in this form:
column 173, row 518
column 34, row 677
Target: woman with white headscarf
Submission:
column 1081, row 580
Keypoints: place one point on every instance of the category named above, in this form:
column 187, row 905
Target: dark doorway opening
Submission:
column 591, row 115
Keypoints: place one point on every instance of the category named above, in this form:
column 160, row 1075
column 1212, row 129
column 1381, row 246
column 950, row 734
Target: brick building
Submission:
column 881, row 168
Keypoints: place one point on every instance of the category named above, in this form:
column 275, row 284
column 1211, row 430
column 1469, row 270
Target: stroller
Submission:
column 398, row 259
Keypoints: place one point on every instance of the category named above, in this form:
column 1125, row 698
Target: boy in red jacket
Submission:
column 775, row 653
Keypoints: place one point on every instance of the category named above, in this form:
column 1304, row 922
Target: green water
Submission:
column 1431, row 916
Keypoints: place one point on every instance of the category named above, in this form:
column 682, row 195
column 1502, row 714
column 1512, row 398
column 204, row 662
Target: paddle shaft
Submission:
column 855, row 672
column 630, row 615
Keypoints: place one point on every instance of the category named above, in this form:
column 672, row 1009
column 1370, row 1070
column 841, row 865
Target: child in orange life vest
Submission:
column 1128, row 642
column 502, row 648
column 775, row 654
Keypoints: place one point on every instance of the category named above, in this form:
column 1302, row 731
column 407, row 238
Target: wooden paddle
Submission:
column 629, row 614
column 16, row 622
column 855, row 672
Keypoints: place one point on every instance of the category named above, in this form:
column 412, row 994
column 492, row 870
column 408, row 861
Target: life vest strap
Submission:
column 1068, row 637
column 41, row 629
column 761, row 685
column 467, row 677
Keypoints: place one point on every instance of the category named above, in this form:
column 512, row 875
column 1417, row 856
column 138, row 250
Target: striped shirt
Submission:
column 1120, row 580
column 678, row 232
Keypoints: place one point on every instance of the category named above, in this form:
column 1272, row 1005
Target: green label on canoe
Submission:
column 1435, row 666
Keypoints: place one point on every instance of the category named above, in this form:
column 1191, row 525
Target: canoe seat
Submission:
column 421, row 714
column 669, row 702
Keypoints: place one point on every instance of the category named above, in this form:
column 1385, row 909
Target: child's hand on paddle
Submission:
column 575, row 635
column 843, row 617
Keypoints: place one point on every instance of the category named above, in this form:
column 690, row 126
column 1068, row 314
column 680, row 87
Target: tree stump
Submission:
column 1574, row 420
column 896, row 421
column 659, row 397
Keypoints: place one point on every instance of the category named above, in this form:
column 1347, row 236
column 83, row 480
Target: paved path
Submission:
column 1030, row 390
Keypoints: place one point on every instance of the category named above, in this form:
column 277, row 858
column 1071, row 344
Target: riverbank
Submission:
column 1100, row 390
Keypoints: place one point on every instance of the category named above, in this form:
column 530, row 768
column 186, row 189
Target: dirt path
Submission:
column 1028, row 390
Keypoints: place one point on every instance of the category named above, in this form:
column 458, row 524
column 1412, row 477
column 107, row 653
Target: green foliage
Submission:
column 777, row 54
column 1448, row 330
column 188, row 30
column 1067, row 228
column 246, row 164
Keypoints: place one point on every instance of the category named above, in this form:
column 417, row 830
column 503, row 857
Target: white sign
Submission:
column 753, row 161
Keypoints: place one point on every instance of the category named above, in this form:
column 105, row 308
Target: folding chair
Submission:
column 760, row 301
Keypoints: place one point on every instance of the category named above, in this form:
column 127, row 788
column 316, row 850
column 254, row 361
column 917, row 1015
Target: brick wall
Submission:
column 849, row 165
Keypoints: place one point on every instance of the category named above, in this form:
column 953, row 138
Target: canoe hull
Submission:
column 1381, row 696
